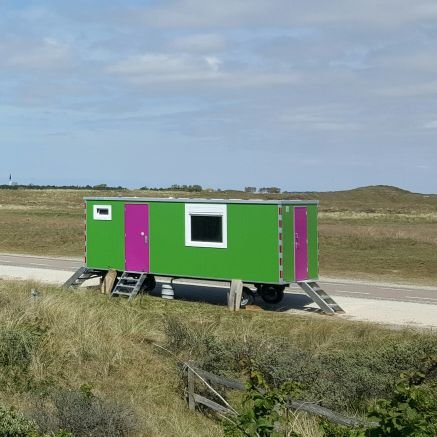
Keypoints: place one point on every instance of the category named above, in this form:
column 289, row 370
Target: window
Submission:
column 206, row 225
column 102, row 212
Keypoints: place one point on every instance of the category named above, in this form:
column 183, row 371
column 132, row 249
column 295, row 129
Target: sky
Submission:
column 320, row 95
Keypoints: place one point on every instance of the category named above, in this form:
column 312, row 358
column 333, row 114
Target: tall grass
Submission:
column 69, row 352
column 83, row 339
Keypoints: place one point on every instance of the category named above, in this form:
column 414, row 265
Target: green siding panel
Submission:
column 251, row 255
column 105, row 239
column 288, row 242
column 313, row 243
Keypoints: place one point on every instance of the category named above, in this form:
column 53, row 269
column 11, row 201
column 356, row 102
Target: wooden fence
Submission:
column 207, row 379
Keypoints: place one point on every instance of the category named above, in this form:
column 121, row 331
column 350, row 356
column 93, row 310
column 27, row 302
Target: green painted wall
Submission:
column 105, row 239
column 288, row 241
column 251, row 255
column 313, row 243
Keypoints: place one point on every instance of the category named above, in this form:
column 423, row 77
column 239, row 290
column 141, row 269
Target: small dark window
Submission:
column 102, row 211
column 207, row 228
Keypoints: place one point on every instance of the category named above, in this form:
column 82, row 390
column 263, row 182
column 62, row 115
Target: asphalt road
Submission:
column 355, row 289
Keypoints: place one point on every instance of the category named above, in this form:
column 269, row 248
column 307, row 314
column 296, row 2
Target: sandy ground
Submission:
column 389, row 312
column 40, row 275
column 357, row 309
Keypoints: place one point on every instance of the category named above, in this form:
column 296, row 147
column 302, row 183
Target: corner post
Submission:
column 234, row 295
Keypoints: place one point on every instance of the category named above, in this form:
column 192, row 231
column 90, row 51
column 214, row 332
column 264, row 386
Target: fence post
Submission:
column 191, row 401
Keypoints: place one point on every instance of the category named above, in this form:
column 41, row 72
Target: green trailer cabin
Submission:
column 266, row 243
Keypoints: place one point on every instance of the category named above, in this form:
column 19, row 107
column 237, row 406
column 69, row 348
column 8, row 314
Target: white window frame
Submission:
column 97, row 216
column 202, row 209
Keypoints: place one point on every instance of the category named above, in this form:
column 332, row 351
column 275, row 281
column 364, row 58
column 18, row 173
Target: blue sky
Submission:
column 301, row 95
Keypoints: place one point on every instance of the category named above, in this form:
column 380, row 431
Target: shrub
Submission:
column 340, row 379
column 82, row 413
column 16, row 346
column 13, row 424
column 16, row 349
column 264, row 410
column 411, row 410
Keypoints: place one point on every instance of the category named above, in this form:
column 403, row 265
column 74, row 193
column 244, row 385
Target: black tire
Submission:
column 272, row 294
column 149, row 284
column 247, row 297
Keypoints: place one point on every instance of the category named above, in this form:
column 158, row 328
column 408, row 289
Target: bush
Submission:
column 411, row 411
column 13, row 424
column 16, row 349
column 340, row 379
column 82, row 413
column 265, row 409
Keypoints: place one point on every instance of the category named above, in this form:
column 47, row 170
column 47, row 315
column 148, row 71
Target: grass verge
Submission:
column 69, row 352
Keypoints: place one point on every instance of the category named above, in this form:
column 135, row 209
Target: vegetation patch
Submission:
column 17, row 345
column 342, row 378
column 82, row 413
column 63, row 341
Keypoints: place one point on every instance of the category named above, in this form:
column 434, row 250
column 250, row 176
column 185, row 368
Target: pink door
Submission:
column 136, row 222
column 301, row 243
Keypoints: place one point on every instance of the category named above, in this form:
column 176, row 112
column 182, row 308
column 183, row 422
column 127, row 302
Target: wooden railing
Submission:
column 207, row 379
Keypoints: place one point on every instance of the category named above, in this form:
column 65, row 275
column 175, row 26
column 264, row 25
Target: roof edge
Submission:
column 202, row 200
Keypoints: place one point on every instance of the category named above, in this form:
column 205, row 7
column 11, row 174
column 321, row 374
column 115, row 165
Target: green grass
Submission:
column 380, row 233
column 66, row 340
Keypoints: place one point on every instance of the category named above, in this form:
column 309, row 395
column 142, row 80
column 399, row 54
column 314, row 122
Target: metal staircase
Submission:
column 326, row 303
column 80, row 276
column 129, row 284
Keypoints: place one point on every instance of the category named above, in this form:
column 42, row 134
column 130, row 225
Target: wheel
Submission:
column 247, row 297
column 149, row 284
column 272, row 293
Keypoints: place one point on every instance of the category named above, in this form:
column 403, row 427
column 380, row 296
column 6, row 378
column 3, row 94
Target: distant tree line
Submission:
column 175, row 187
column 60, row 187
column 270, row 190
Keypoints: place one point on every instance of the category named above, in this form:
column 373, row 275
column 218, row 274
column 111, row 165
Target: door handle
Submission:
column 146, row 237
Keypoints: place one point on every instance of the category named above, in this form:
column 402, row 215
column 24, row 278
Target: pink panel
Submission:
column 136, row 222
column 301, row 243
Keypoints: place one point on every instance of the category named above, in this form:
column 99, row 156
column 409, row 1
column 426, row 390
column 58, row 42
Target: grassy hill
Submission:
column 81, row 361
column 377, row 232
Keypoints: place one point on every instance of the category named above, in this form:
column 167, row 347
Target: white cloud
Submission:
column 229, row 13
column 203, row 43
column 213, row 62
column 325, row 118
column 409, row 90
column 47, row 54
column 424, row 61
column 166, row 68
column 431, row 125
column 199, row 13
column 175, row 68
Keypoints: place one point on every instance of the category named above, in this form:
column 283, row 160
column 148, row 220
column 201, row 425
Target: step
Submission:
column 78, row 277
column 326, row 303
column 129, row 284
column 122, row 293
